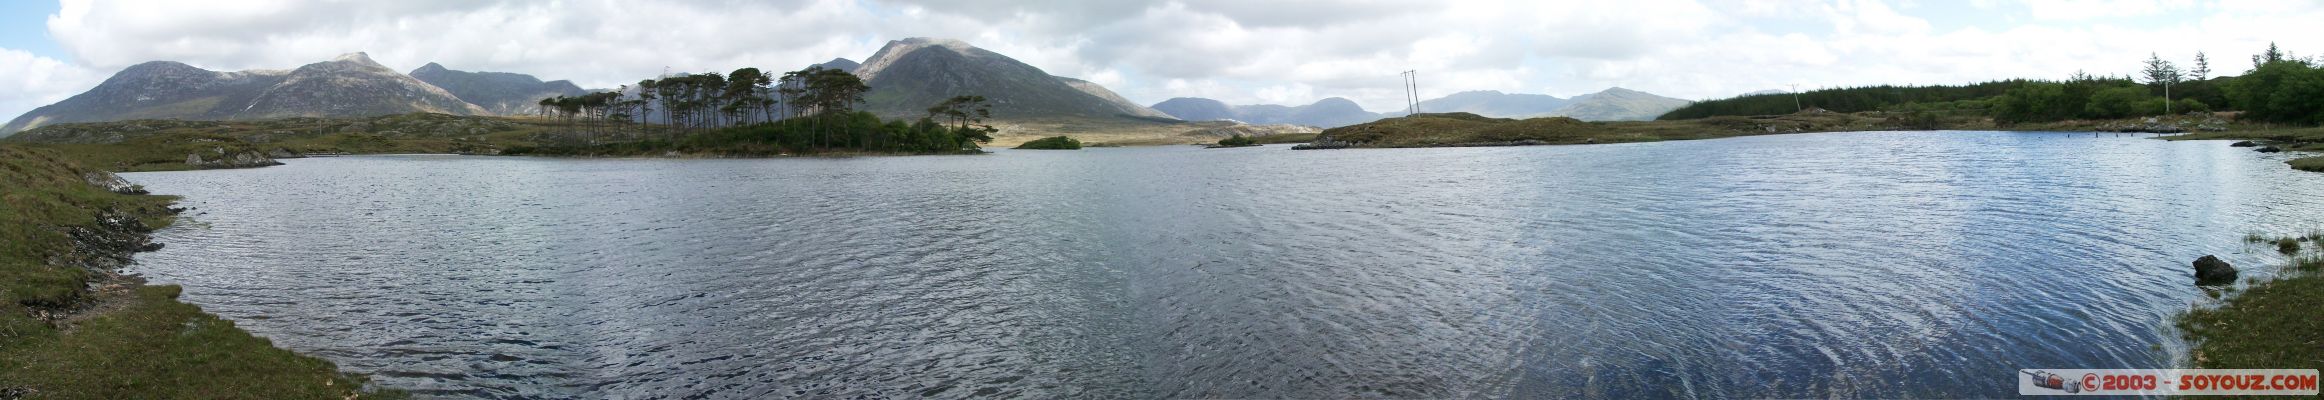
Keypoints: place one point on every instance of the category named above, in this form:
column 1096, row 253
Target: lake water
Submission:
column 1889, row 264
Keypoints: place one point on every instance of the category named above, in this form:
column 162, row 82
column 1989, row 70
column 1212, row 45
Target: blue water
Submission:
column 1886, row 264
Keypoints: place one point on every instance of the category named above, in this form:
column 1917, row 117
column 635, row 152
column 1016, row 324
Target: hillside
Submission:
column 1495, row 104
column 151, row 145
column 499, row 93
column 1618, row 104
column 349, row 86
column 1330, row 112
column 907, row 76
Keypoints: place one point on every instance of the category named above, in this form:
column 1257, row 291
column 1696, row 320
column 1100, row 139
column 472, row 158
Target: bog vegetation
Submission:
column 2280, row 88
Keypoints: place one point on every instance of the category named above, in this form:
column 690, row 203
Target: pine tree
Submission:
column 2202, row 69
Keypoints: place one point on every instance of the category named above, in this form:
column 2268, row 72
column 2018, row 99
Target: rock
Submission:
column 2245, row 143
column 2269, row 149
column 113, row 183
column 2210, row 271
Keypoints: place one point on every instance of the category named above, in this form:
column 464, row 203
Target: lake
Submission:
column 1880, row 264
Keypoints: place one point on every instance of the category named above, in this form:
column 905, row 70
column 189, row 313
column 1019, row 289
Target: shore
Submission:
column 77, row 328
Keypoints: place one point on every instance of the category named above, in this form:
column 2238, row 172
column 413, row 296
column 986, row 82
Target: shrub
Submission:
column 1238, row 140
column 1052, row 143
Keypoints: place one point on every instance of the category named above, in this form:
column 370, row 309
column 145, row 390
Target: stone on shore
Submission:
column 2211, row 271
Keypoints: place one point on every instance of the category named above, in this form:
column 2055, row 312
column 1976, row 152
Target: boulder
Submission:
column 2210, row 271
column 2269, row 149
column 2245, row 143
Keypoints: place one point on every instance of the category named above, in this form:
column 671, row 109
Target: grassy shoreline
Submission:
column 2273, row 324
column 75, row 328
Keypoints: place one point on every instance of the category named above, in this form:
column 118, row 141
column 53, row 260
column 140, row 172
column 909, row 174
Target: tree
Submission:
column 963, row 111
column 645, row 103
column 2159, row 73
column 2269, row 57
column 2202, row 69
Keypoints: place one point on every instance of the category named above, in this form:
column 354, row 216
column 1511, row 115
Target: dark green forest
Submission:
column 2279, row 88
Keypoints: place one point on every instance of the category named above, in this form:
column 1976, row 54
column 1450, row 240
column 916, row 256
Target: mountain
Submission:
column 500, row 93
column 1618, row 104
column 1330, row 112
column 1196, row 109
column 907, row 76
column 840, row 64
column 1495, row 104
column 349, row 86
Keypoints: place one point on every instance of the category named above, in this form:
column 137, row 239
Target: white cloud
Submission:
column 33, row 81
column 1238, row 51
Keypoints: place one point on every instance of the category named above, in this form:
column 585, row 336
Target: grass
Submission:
column 2277, row 324
column 71, row 330
column 2273, row 324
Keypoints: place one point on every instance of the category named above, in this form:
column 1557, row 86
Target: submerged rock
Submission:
column 2245, row 143
column 2211, row 271
column 2269, row 149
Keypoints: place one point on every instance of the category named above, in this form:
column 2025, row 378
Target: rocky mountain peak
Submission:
column 355, row 57
column 897, row 49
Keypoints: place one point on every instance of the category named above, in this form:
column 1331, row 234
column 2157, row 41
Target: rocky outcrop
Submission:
column 113, row 183
column 1324, row 143
column 2211, row 271
column 221, row 158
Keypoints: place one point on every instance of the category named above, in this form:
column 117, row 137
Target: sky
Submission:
column 1238, row 51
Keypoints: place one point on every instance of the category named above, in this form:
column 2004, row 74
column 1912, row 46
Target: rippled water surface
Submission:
column 1852, row 265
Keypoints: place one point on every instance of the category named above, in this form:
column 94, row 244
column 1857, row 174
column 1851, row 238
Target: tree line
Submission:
column 813, row 110
column 2276, row 89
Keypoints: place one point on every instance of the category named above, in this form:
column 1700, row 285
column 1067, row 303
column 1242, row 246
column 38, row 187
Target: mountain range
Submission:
column 1613, row 104
column 351, row 85
column 906, row 76
column 500, row 93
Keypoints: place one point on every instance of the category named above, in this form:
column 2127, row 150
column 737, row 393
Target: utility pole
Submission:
column 1406, row 77
column 1795, row 98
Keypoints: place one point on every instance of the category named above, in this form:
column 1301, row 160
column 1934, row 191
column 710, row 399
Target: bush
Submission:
column 2288, row 245
column 1238, row 140
column 1052, row 143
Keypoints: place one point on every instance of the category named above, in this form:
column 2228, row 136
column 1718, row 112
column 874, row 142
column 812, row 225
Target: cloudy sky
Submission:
column 1239, row 51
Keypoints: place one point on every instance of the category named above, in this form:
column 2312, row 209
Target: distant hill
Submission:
column 1495, row 104
column 1196, row 109
column 1617, row 104
column 350, row 86
column 907, row 76
column 1614, row 104
column 840, row 64
column 500, row 93
column 1331, row 112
